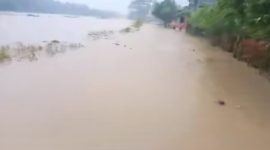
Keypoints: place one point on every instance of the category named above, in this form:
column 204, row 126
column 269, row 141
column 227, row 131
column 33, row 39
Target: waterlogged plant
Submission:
column 4, row 55
column 137, row 24
column 134, row 27
column 126, row 30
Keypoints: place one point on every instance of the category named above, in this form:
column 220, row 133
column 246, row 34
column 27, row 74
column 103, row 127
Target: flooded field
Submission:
column 153, row 89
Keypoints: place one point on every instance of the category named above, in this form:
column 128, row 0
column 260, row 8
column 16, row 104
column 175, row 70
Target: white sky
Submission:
column 114, row 5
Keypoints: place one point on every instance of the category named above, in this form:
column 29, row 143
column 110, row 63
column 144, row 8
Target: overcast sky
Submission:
column 114, row 5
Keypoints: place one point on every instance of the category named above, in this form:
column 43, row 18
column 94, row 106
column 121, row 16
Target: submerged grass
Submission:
column 127, row 29
column 4, row 56
column 137, row 24
column 31, row 52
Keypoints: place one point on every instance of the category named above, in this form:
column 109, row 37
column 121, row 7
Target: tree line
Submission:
column 165, row 10
column 51, row 6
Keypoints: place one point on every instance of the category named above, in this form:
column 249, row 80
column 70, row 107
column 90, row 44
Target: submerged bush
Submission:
column 137, row 24
column 126, row 30
column 4, row 56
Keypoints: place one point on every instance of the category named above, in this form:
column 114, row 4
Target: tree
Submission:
column 165, row 10
column 139, row 9
column 193, row 3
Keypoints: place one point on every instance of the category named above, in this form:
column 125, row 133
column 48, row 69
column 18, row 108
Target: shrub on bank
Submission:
column 241, row 27
column 3, row 53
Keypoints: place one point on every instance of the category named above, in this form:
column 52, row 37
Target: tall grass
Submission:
column 137, row 24
column 4, row 56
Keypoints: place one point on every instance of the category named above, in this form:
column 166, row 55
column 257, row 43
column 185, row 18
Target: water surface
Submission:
column 156, row 89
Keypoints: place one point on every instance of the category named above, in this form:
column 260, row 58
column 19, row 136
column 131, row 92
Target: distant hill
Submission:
column 51, row 6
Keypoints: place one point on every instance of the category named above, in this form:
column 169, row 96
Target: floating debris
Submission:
column 221, row 102
column 32, row 15
column 117, row 44
column 126, row 30
column 97, row 35
column 71, row 16
column 55, row 41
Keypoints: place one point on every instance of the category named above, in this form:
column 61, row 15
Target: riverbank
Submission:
column 241, row 28
column 254, row 52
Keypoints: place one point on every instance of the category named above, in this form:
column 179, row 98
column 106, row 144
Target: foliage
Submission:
column 3, row 56
column 218, row 21
column 258, row 18
column 185, row 11
column 137, row 24
column 249, row 18
column 239, row 26
column 165, row 10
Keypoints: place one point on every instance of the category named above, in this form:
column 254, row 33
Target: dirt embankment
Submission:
column 256, row 52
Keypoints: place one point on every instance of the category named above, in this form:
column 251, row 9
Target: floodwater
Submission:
column 156, row 89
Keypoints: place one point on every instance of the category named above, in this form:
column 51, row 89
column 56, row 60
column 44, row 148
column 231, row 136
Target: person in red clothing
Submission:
column 182, row 25
column 179, row 25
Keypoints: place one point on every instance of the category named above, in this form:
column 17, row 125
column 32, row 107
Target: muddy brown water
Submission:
column 159, row 92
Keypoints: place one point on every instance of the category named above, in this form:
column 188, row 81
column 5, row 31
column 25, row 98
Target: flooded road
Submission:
column 156, row 89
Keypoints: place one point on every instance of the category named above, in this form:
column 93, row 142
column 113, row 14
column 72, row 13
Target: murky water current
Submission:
column 156, row 89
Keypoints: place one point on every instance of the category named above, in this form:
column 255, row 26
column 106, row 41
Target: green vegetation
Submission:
column 4, row 56
column 248, row 18
column 239, row 26
column 165, row 10
column 134, row 27
column 137, row 24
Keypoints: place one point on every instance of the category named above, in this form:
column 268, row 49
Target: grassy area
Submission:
column 137, row 24
column 4, row 56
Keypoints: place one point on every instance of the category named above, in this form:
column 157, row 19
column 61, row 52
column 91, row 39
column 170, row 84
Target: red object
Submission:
column 179, row 26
